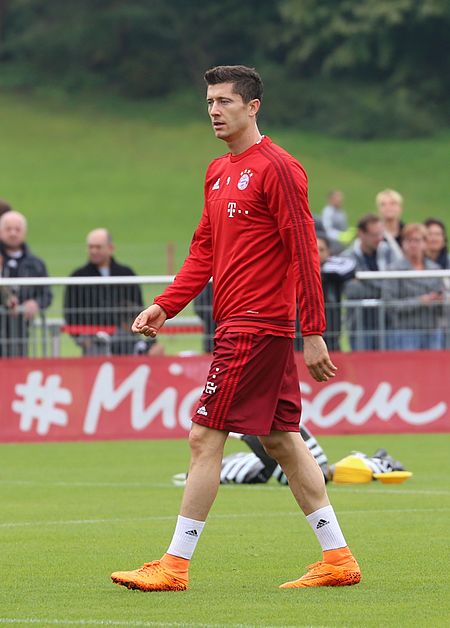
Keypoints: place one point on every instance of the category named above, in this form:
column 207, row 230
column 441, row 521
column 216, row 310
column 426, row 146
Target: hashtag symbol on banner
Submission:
column 38, row 402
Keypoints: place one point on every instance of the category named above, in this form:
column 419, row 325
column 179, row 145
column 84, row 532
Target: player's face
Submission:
column 230, row 116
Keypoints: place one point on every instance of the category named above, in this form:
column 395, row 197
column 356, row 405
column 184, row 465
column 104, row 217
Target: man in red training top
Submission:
column 256, row 238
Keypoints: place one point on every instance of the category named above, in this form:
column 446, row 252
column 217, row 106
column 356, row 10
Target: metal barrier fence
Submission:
column 392, row 310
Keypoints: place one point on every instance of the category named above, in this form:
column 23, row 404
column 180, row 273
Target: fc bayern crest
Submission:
column 245, row 179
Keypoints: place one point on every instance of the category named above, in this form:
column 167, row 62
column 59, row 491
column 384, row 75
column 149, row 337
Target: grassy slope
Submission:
column 119, row 507
column 138, row 170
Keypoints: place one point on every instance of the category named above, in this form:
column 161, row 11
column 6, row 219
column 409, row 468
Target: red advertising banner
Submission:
column 138, row 397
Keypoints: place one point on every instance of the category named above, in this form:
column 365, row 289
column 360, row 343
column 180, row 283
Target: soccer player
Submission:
column 256, row 238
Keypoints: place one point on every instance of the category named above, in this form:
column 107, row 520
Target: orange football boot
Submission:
column 323, row 574
column 154, row 576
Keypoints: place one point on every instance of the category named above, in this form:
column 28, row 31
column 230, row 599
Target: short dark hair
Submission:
column 4, row 207
column 435, row 221
column 366, row 220
column 246, row 81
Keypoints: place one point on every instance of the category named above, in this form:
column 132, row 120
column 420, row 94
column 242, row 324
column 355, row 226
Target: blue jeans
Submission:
column 412, row 340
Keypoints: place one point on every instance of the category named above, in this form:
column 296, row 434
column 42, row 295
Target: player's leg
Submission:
column 204, row 471
column 317, row 452
column 306, row 482
column 170, row 573
column 304, row 475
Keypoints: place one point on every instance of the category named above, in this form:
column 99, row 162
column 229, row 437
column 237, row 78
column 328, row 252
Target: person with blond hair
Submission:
column 389, row 205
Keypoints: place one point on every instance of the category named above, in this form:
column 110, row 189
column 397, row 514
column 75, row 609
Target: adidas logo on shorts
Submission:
column 321, row 523
column 202, row 411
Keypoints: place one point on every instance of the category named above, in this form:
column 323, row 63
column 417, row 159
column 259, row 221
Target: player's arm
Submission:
column 286, row 190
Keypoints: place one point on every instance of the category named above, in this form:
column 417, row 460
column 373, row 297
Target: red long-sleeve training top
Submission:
column 256, row 238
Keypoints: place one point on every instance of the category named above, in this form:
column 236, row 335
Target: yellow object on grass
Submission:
column 352, row 470
column 393, row 477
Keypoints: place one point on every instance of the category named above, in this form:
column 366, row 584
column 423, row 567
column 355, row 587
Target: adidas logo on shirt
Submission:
column 321, row 523
column 191, row 532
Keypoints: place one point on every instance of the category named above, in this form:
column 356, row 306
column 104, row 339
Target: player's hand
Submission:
column 317, row 360
column 149, row 321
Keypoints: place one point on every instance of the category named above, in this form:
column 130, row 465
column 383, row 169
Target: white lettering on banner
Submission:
column 39, row 402
column 381, row 405
column 39, row 398
column 105, row 396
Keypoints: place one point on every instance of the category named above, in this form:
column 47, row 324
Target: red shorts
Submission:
column 252, row 386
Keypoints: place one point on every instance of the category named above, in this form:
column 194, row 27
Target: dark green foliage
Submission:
column 349, row 109
column 364, row 68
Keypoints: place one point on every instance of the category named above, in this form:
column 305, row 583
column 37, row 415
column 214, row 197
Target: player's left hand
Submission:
column 317, row 360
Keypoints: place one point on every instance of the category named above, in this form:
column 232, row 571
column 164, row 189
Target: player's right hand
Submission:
column 150, row 321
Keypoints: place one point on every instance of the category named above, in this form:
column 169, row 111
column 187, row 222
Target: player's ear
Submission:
column 253, row 107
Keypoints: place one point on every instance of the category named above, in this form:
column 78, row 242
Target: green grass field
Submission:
column 72, row 513
column 72, row 165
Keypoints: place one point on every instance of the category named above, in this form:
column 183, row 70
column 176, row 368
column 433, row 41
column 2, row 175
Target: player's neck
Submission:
column 244, row 141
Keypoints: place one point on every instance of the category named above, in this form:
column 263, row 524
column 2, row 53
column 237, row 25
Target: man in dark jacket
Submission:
column 18, row 305
column 99, row 316
column 335, row 271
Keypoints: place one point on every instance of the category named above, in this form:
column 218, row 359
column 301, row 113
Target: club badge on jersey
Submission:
column 244, row 179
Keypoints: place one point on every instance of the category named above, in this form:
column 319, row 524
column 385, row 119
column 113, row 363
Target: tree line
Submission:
column 355, row 68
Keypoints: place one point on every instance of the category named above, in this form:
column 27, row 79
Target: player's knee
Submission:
column 205, row 442
column 275, row 446
column 196, row 441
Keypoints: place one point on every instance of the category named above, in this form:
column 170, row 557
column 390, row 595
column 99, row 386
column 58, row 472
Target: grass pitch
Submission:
column 73, row 513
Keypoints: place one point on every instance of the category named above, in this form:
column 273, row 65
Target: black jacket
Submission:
column 26, row 266
column 102, row 305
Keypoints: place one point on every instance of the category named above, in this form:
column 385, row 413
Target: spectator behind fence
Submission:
column 370, row 251
column 334, row 271
column 19, row 305
column 390, row 208
column 437, row 243
column 335, row 223
column 437, row 251
column 414, row 306
column 99, row 316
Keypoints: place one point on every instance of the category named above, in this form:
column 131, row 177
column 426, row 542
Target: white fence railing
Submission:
column 92, row 315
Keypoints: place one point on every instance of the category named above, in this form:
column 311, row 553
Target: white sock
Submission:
column 326, row 528
column 184, row 540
